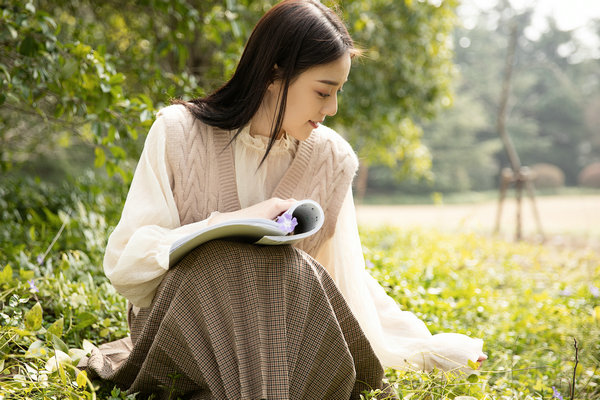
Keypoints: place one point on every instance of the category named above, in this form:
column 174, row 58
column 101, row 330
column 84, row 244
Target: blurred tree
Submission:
column 57, row 90
column 94, row 72
column 403, row 78
column 551, row 113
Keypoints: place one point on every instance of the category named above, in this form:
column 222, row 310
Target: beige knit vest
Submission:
column 201, row 169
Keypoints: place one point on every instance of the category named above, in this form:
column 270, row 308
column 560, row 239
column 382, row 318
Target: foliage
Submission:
column 56, row 303
column 552, row 115
column 404, row 77
column 547, row 176
column 590, row 176
column 57, row 90
column 93, row 74
column 507, row 293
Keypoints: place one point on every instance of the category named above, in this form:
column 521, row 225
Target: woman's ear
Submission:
column 275, row 83
column 275, row 73
column 274, row 87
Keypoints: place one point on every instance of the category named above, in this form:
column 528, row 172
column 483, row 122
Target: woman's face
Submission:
column 312, row 96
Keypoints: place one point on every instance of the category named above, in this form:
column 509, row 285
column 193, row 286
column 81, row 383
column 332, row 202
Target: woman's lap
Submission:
column 233, row 320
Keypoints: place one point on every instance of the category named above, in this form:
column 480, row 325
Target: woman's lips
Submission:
column 314, row 124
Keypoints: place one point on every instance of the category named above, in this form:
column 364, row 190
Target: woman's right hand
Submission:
column 268, row 209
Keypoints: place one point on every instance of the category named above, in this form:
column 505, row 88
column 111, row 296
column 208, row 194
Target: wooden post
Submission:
column 518, row 198
column 505, row 180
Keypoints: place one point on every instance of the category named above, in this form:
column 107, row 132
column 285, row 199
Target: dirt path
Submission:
column 577, row 216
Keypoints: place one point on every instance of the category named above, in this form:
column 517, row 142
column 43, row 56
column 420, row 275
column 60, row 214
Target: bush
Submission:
column 590, row 176
column 548, row 176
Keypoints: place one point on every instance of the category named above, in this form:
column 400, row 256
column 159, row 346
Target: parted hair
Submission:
column 290, row 38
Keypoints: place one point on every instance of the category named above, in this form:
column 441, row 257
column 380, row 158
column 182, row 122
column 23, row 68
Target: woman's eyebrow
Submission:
column 332, row 83
column 328, row 82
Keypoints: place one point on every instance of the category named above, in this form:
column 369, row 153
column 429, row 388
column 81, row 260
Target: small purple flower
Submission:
column 40, row 259
column 556, row 394
column 286, row 222
column 32, row 286
column 566, row 292
column 370, row 264
column 594, row 291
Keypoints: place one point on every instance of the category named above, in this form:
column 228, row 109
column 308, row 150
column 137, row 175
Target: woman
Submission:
column 241, row 321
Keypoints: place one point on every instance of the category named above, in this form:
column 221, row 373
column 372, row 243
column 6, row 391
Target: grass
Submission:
column 529, row 302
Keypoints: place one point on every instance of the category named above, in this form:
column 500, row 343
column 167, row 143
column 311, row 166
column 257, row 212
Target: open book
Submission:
column 308, row 214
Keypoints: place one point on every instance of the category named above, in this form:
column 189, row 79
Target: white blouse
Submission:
column 137, row 253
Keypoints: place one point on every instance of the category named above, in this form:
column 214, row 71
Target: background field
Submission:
column 573, row 219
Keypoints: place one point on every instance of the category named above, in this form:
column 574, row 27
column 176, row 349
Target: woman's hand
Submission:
column 268, row 209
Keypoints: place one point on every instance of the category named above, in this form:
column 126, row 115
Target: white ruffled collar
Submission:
column 259, row 143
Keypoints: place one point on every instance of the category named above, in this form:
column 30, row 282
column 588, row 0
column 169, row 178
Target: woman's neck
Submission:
column 263, row 120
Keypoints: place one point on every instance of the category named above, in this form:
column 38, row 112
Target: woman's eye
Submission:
column 323, row 95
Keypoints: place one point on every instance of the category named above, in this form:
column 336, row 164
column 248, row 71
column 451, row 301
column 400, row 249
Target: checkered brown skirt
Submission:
column 239, row 321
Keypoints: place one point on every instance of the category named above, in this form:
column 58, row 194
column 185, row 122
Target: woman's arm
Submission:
column 399, row 338
column 137, row 253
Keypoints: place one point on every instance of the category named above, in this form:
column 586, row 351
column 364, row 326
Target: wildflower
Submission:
column 370, row 264
column 556, row 394
column 32, row 286
column 566, row 292
column 594, row 291
column 286, row 222
column 40, row 259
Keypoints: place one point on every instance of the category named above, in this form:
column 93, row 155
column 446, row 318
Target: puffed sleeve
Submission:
column 137, row 253
column 399, row 338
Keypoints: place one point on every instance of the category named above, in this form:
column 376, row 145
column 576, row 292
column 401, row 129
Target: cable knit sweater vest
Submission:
column 202, row 171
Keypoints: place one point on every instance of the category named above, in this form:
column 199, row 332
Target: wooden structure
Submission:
column 518, row 175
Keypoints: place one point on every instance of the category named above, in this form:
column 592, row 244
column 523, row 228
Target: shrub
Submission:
column 590, row 176
column 548, row 176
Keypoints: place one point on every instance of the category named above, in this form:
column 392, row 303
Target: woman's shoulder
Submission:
column 176, row 114
column 333, row 142
column 179, row 124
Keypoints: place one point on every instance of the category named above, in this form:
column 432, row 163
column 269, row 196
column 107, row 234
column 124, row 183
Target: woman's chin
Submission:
column 300, row 135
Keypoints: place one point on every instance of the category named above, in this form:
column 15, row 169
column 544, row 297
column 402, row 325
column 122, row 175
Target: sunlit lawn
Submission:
column 529, row 303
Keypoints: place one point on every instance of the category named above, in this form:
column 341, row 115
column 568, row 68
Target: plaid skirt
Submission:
column 239, row 321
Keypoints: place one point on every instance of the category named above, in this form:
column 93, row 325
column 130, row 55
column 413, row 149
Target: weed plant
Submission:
column 528, row 302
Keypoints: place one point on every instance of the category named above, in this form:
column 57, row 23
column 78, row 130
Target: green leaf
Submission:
column 473, row 364
column 30, row 7
column 100, row 157
column 13, row 32
column 59, row 344
column 7, row 274
column 118, row 152
column 26, row 275
column 116, row 79
column 33, row 318
column 81, row 379
column 56, row 328
column 145, row 115
column 473, row 378
column 37, row 349
column 28, row 46
column 85, row 319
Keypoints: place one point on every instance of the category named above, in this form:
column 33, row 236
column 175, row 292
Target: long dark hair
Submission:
column 291, row 37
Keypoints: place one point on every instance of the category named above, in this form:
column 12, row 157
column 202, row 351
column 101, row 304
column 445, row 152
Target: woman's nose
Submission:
column 331, row 106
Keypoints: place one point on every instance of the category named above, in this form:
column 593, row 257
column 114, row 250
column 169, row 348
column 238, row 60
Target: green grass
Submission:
column 528, row 302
